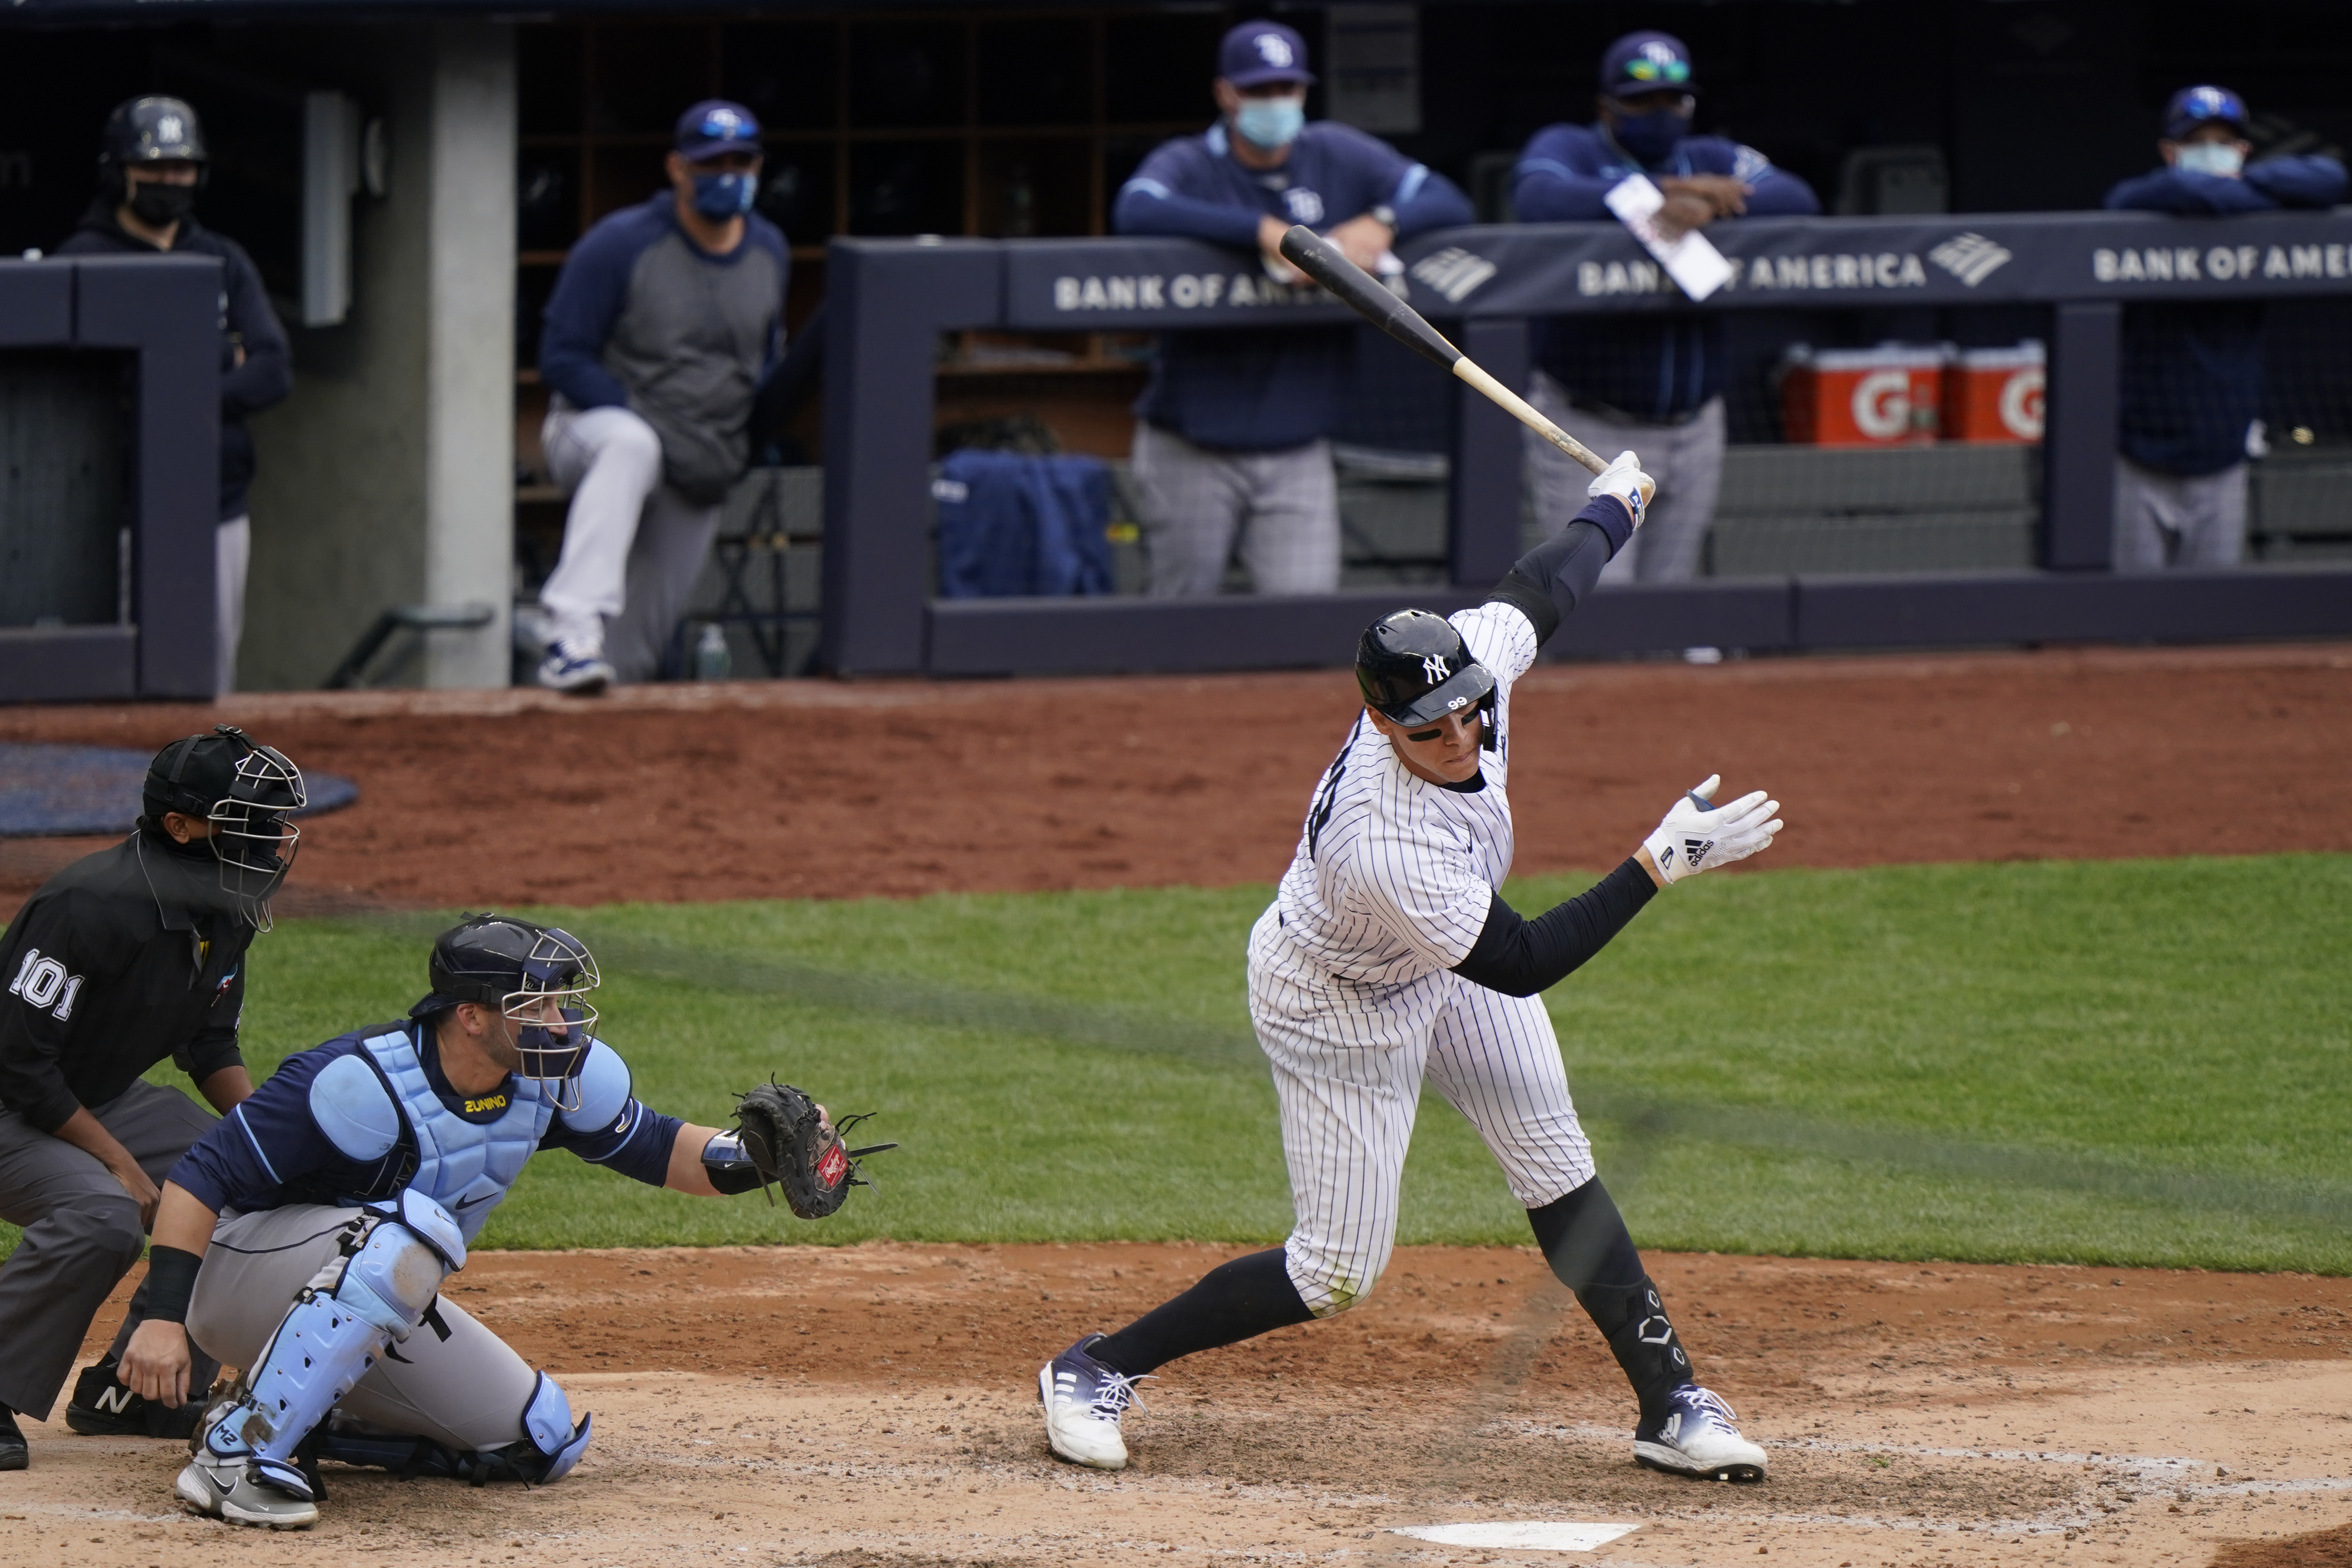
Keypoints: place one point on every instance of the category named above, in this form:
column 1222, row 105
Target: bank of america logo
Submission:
column 1453, row 272
column 1971, row 257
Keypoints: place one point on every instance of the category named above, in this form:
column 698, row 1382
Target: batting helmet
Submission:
column 248, row 791
column 1415, row 667
column 150, row 131
column 516, row 967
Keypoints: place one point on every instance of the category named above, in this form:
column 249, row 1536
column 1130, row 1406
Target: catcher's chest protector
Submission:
column 464, row 1166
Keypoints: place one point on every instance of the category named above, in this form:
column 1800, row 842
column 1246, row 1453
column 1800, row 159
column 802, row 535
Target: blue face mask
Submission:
column 1271, row 122
column 1651, row 137
column 2211, row 158
column 720, row 196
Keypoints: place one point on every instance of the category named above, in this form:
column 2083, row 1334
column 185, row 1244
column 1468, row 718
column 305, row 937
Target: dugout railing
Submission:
column 109, row 500
column 890, row 300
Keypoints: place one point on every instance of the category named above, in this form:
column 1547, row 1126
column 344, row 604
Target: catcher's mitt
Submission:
column 791, row 1146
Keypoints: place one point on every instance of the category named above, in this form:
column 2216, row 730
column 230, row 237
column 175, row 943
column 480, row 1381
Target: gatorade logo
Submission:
column 2022, row 402
column 1882, row 403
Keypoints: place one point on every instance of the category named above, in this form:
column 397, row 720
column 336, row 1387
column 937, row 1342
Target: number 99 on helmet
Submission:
column 1414, row 669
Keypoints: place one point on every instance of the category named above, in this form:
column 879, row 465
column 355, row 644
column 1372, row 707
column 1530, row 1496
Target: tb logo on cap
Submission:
column 1275, row 50
column 724, row 124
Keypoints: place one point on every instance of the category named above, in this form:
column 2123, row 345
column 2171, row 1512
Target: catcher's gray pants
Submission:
column 631, row 546
column 2163, row 520
column 467, row 1391
column 1685, row 460
column 1285, row 506
column 82, row 1235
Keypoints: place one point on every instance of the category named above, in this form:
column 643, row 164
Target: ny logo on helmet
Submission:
column 1275, row 50
column 1432, row 668
column 170, row 129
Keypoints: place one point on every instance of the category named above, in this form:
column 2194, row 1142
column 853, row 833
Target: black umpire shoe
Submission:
column 13, row 1455
column 103, row 1407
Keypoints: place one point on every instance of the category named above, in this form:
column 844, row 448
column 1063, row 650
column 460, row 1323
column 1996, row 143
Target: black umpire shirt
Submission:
column 123, row 959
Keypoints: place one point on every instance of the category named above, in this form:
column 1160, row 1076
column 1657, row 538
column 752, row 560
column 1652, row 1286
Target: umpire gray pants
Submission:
column 82, row 1235
column 2163, row 520
column 1685, row 460
column 467, row 1391
column 1284, row 506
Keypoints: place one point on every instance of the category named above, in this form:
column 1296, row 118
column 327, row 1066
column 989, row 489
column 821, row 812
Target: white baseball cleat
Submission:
column 234, row 1492
column 1084, row 1400
column 1699, row 1436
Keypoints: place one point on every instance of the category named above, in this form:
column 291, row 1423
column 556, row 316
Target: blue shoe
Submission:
column 1084, row 1400
column 577, row 668
column 1698, row 1435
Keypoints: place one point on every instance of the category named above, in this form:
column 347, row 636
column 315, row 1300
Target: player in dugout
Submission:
column 2193, row 372
column 1650, row 380
column 1231, row 434
column 129, row 957
column 152, row 167
column 663, row 324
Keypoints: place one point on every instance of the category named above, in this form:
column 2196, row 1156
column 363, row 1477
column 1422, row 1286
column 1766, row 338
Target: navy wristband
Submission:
column 171, row 1282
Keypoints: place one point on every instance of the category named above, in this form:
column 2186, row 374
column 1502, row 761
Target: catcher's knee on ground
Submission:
column 550, row 1446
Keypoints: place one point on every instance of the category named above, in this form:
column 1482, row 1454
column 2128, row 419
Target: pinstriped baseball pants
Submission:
column 1349, row 1064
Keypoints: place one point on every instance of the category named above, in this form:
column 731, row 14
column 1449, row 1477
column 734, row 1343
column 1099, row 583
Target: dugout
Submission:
column 404, row 469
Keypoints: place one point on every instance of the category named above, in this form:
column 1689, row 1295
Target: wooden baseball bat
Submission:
column 1321, row 260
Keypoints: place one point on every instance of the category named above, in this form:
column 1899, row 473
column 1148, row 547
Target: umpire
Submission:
column 152, row 162
column 124, row 958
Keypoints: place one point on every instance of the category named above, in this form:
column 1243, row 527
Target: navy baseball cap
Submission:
column 2194, row 106
column 715, row 126
column 1646, row 62
column 1256, row 53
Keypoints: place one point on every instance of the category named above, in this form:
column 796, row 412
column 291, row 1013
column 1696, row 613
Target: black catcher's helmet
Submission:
column 248, row 791
column 537, row 976
column 1415, row 669
column 150, row 131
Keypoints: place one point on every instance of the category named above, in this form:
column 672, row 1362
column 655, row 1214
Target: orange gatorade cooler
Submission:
column 1886, row 396
column 1994, row 395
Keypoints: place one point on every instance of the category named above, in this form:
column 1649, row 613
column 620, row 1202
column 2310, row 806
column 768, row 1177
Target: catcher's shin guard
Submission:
column 550, row 1445
column 330, row 1337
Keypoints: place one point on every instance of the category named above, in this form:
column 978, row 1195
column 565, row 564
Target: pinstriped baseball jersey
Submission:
column 1392, row 876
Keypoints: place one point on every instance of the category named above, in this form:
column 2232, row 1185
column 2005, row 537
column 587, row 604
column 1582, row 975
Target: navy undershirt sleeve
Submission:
column 637, row 1144
column 1521, row 957
column 1549, row 581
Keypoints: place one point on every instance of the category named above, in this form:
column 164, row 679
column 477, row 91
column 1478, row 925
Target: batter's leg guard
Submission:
column 1585, row 1240
column 330, row 1337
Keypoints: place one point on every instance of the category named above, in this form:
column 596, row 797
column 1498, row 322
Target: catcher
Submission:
column 306, row 1238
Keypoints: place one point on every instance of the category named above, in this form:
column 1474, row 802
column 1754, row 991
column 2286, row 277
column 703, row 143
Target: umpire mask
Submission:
column 248, row 793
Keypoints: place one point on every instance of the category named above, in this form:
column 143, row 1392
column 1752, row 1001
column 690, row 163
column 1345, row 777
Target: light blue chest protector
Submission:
column 467, row 1167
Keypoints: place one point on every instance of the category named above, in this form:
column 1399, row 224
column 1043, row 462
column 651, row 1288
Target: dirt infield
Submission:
column 876, row 1406
column 816, row 789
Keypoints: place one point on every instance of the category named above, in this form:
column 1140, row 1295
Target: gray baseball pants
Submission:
column 82, row 1235
column 2163, row 520
column 631, row 546
column 467, row 1391
column 1283, row 505
column 1685, row 460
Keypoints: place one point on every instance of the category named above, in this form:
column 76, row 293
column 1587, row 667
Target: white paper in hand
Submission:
column 1694, row 265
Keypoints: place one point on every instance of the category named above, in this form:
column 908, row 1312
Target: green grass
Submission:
column 2109, row 1062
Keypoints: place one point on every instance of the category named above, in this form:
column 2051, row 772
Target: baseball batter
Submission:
column 1389, row 957
column 306, row 1237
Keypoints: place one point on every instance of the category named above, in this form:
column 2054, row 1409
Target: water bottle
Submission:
column 712, row 659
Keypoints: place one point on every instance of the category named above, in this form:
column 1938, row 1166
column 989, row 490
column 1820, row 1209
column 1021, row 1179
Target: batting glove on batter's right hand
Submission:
column 1696, row 838
column 1624, row 480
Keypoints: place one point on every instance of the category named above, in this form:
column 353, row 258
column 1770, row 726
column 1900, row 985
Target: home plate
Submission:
column 1521, row 1535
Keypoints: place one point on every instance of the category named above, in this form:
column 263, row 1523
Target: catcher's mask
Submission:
column 248, row 791
column 1415, row 669
column 537, row 977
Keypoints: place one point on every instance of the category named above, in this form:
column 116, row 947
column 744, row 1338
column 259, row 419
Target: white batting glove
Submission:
column 1624, row 480
column 1696, row 838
